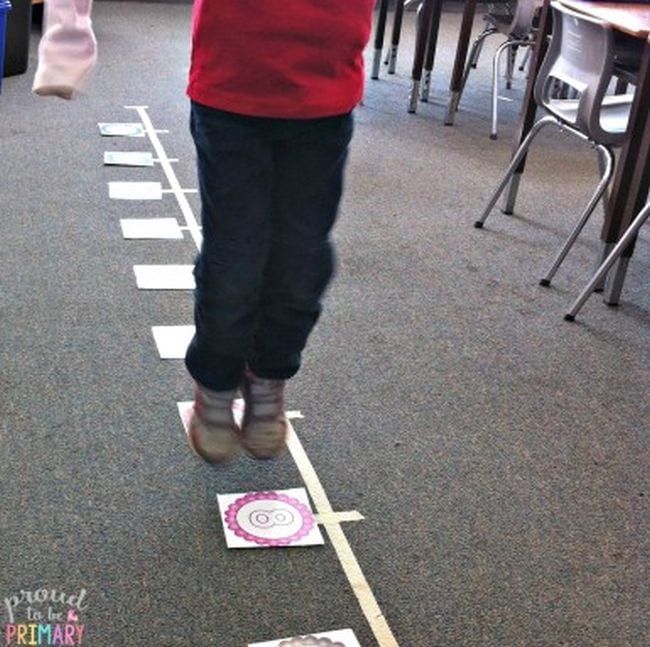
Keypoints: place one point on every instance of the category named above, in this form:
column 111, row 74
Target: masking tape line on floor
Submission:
column 351, row 567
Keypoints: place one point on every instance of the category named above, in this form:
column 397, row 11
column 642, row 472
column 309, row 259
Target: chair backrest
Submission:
column 580, row 55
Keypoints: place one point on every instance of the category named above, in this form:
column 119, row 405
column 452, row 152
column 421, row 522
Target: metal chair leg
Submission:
column 605, row 204
column 525, row 59
column 621, row 86
column 495, row 80
column 495, row 86
column 476, row 51
column 477, row 46
column 472, row 60
column 614, row 255
column 510, row 66
column 514, row 163
column 608, row 164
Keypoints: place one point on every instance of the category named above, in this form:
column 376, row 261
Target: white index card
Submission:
column 172, row 341
column 135, row 190
column 338, row 638
column 128, row 158
column 270, row 519
column 151, row 228
column 121, row 129
column 164, row 277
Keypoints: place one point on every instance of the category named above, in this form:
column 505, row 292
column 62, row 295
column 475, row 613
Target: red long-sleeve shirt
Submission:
column 294, row 59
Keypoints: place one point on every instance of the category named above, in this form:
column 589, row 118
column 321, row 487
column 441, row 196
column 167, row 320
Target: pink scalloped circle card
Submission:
column 338, row 638
column 268, row 519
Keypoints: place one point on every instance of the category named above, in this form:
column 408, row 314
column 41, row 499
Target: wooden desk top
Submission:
column 632, row 18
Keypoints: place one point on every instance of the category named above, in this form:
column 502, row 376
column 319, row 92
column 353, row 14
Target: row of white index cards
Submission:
column 172, row 341
column 129, row 190
column 137, row 228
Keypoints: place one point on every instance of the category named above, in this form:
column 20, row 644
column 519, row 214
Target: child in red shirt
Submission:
column 273, row 85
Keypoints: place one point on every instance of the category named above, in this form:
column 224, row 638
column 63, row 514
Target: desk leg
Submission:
column 631, row 181
column 615, row 281
column 529, row 107
column 380, row 29
column 397, row 30
column 513, row 188
column 456, row 84
column 616, row 276
column 432, row 43
column 425, row 16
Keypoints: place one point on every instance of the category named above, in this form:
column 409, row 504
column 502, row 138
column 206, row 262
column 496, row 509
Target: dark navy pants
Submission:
column 270, row 190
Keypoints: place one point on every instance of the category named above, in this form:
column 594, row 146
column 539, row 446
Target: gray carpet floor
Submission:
column 498, row 454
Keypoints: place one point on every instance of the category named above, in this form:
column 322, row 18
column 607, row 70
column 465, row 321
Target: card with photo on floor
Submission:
column 121, row 129
column 128, row 158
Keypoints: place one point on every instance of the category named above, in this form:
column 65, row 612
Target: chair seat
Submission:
column 499, row 19
column 614, row 113
column 503, row 24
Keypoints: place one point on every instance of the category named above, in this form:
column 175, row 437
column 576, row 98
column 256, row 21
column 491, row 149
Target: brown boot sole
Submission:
column 210, row 458
column 267, row 453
